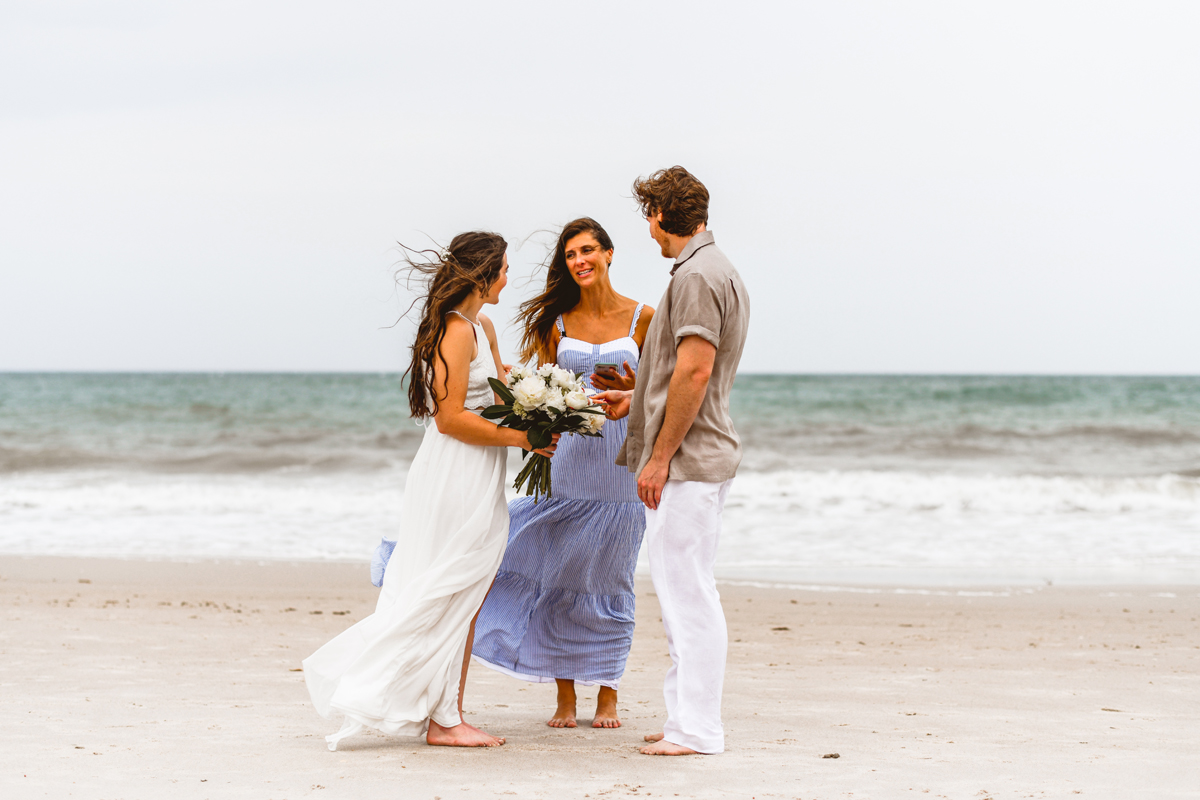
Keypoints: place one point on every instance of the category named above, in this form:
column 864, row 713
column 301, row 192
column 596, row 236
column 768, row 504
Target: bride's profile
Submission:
column 402, row 670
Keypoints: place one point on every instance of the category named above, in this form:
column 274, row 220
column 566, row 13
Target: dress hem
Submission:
column 522, row 676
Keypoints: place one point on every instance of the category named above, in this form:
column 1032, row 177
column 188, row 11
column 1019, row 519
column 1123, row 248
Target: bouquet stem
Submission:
column 535, row 477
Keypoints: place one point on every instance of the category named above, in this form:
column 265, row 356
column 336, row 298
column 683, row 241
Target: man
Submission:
column 684, row 450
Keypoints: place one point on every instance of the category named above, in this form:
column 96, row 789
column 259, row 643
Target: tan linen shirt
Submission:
column 706, row 298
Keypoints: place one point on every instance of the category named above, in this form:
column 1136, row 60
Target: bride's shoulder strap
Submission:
column 472, row 324
column 562, row 331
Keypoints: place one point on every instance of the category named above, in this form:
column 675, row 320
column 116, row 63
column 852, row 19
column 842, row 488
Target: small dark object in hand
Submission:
column 831, row 755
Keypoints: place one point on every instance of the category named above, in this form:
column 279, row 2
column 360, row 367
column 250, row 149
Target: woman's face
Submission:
column 493, row 295
column 587, row 261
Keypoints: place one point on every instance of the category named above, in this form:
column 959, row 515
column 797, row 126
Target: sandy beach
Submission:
column 137, row 679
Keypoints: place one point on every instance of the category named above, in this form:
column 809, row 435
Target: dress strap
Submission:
column 464, row 316
column 562, row 331
column 474, row 330
column 637, row 312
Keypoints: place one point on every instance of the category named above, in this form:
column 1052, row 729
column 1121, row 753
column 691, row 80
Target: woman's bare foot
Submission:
column 606, row 709
column 461, row 735
column 564, row 715
column 653, row 737
column 665, row 748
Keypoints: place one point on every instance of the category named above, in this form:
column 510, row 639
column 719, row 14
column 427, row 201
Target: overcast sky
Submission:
column 906, row 187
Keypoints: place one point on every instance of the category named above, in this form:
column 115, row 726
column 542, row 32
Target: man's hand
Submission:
column 651, row 482
column 616, row 403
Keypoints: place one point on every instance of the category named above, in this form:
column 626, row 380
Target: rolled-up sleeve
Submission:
column 696, row 310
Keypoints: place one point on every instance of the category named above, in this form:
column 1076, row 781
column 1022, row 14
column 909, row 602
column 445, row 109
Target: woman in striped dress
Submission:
column 562, row 605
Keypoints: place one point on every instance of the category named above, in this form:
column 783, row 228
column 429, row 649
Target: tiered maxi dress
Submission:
column 562, row 604
column 400, row 667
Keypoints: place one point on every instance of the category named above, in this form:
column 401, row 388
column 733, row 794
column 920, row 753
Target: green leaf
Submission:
column 495, row 412
column 499, row 388
column 539, row 438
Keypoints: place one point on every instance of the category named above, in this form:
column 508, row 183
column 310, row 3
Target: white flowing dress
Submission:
column 400, row 667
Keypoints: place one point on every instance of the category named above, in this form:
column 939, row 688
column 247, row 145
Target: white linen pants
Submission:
column 682, row 535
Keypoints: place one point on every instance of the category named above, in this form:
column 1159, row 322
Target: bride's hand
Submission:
column 549, row 451
column 616, row 381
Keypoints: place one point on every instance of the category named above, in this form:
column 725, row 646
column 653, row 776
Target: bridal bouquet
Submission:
column 543, row 402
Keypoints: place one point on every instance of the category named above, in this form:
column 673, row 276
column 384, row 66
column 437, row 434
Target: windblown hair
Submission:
column 537, row 315
column 680, row 197
column 472, row 262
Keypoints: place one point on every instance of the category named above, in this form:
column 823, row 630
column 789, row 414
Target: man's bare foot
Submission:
column 461, row 735
column 564, row 717
column 606, row 709
column 653, row 737
column 665, row 748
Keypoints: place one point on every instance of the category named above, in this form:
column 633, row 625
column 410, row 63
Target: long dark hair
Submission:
column 561, row 294
column 472, row 262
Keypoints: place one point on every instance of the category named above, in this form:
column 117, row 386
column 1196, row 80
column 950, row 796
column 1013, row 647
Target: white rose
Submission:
column 563, row 379
column 530, row 391
column 595, row 422
column 546, row 370
column 517, row 374
column 556, row 401
column 577, row 399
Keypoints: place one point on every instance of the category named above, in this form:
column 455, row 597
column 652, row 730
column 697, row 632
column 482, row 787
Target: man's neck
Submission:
column 678, row 243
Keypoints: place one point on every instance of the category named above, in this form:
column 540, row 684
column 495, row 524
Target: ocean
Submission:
column 918, row 481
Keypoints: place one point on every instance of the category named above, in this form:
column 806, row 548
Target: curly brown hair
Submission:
column 561, row 294
column 680, row 197
column 472, row 262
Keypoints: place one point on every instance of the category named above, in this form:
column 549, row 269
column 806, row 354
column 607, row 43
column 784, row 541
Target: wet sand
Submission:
column 136, row 679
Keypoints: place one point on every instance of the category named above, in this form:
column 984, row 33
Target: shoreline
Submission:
column 961, row 581
column 178, row 679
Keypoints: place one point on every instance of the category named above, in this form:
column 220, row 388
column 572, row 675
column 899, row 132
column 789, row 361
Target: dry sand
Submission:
column 127, row 679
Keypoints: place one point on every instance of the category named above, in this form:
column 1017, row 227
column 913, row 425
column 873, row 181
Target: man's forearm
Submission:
column 685, row 395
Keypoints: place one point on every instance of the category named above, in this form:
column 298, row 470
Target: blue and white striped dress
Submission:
column 562, row 604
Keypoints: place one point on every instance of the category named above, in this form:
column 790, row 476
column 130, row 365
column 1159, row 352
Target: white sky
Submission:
column 906, row 187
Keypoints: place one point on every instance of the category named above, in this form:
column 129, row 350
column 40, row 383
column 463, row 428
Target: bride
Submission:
column 403, row 669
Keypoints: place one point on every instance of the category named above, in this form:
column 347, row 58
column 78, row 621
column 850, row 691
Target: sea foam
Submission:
column 860, row 526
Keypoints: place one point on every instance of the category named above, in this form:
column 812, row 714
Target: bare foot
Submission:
column 564, row 717
column 653, row 737
column 606, row 709
column 665, row 748
column 461, row 735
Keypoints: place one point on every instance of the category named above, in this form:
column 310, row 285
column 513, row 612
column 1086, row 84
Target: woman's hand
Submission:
column 616, row 403
column 614, row 380
column 549, row 451
column 522, row 441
